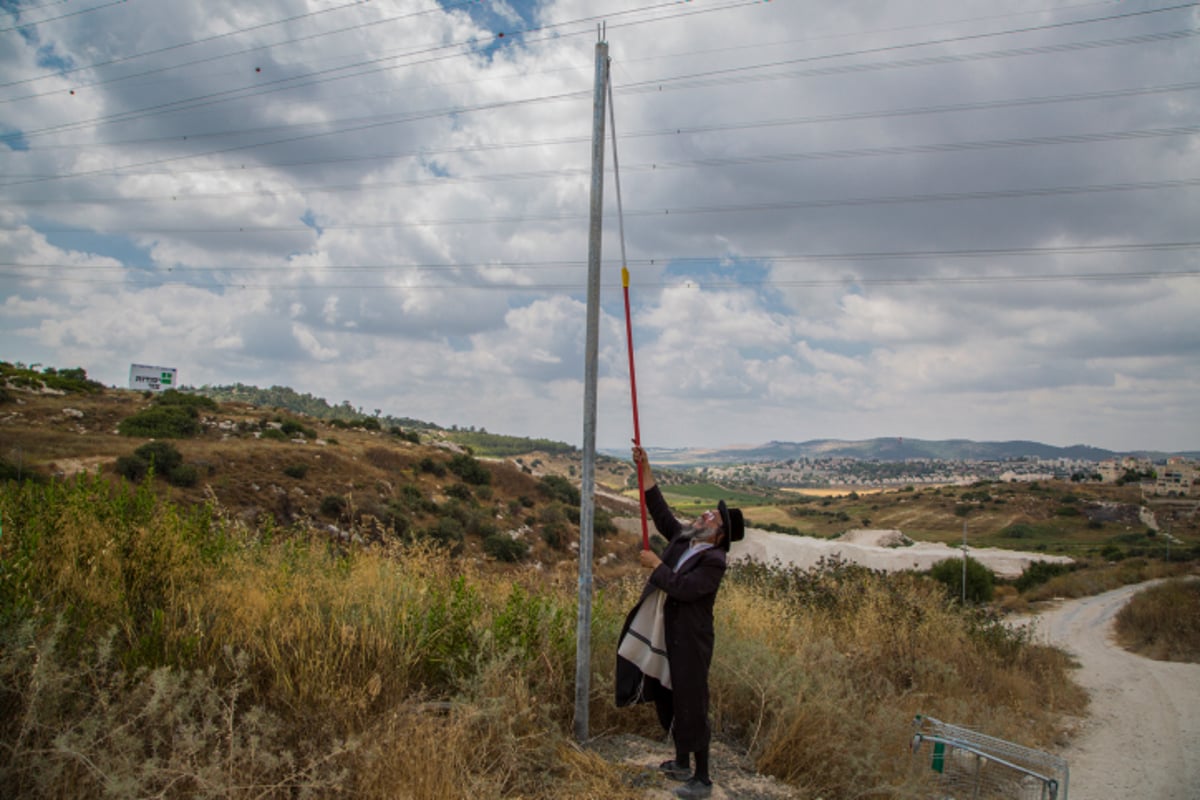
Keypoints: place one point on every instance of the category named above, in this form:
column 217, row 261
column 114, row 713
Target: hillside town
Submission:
column 1176, row 477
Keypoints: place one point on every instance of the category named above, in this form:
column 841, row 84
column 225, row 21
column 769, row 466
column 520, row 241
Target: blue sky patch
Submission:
column 48, row 58
column 310, row 220
column 12, row 138
column 121, row 248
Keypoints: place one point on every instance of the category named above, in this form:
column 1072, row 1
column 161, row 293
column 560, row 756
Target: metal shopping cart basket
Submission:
column 969, row 765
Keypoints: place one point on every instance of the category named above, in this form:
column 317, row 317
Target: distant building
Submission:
column 1113, row 469
column 1176, row 478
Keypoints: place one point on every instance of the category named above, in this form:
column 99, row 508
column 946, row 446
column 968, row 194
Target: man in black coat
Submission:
column 688, row 574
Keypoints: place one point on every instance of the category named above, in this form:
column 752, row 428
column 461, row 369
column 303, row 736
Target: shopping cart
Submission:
column 969, row 765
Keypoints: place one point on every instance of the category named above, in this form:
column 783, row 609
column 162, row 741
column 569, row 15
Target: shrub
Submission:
column 407, row 436
column 980, row 580
column 470, row 469
column 459, row 491
column 163, row 455
column 429, row 465
column 332, row 505
column 1019, row 530
column 174, row 397
column 295, row 429
column 166, row 460
column 132, row 468
column 503, row 547
column 183, row 475
column 1038, row 573
column 162, row 422
column 553, row 533
column 603, row 524
column 297, row 471
column 274, row 434
column 448, row 532
column 556, row 487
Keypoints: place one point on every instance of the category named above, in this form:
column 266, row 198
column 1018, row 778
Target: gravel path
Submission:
column 1142, row 737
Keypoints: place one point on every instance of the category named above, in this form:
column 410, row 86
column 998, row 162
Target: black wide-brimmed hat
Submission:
column 733, row 523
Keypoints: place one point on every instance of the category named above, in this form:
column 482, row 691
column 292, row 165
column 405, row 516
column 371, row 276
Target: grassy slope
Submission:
column 344, row 658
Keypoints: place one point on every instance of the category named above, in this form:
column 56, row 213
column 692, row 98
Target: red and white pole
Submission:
column 637, row 433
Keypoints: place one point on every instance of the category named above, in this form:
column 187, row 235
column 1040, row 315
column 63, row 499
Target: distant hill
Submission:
column 888, row 449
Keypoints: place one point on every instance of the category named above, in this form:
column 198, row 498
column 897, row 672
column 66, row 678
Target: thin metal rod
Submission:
column 587, row 488
column 637, row 431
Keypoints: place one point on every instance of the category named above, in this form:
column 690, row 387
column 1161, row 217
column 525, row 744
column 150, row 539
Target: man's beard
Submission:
column 696, row 531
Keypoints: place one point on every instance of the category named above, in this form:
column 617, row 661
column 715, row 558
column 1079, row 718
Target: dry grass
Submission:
column 152, row 652
column 1104, row 578
column 1163, row 622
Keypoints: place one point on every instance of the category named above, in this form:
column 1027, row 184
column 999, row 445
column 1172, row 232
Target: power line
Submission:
column 34, row 23
column 867, row 255
column 208, row 59
column 466, row 47
column 782, row 205
column 733, row 161
column 736, row 75
column 154, row 281
column 193, row 42
column 312, row 78
column 126, row 170
column 942, row 41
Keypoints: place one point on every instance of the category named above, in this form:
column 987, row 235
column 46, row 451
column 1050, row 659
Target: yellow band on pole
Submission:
column 625, row 277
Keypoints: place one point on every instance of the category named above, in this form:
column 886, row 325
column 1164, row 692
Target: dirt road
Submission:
column 1142, row 738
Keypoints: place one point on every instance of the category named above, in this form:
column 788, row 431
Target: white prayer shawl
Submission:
column 645, row 643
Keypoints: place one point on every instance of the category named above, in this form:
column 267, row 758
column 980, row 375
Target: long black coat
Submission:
column 688, row 619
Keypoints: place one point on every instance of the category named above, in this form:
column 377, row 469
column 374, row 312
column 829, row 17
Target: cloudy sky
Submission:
column 843, row 218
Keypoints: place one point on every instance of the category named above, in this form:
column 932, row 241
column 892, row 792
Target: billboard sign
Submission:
column 154, row 379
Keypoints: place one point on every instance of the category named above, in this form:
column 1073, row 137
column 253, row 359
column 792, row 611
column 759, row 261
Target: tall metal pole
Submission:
column 964, row 580
column 587, row 490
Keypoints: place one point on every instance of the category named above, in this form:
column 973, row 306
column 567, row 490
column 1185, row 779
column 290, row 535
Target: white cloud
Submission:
column 851, row 233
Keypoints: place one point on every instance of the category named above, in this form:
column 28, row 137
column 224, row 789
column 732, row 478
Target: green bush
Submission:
column 164, row 458
column 503, row 547
column 407, row 436
column 470, row 469
column 332, row 505
column 174, row 397
column 553, row 533
column 432, row 467
column 447, row 531
column 275, row 434
column 163, row 455
column 459, row 491
column 1019, row 530
column 132, row 468
column 980, row 580
column 293, row 428
column 183, row 475
column 162, row 422
column 556, row 487
column 1038, row 573
column 296, row 471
